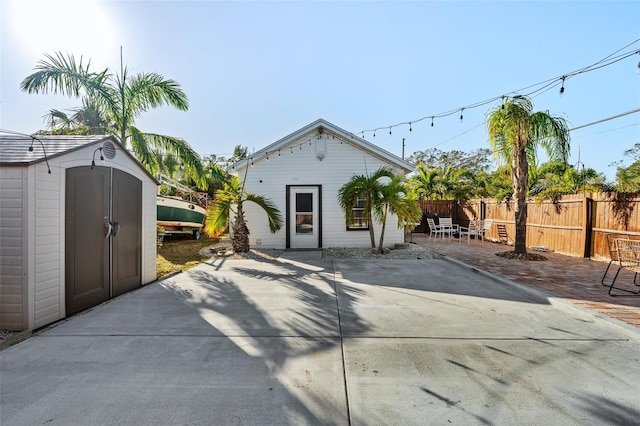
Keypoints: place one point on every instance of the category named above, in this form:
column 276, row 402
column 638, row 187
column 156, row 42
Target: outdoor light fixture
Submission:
column 93, row 160
column 44, row 151
column 562, row 87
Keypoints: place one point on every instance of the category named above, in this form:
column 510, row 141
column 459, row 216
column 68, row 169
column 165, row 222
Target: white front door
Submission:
column 304, row 217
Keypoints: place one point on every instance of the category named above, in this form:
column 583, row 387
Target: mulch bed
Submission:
column 521, row 256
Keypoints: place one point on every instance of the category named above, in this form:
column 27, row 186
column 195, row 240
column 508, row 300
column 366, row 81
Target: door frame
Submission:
column 289, row 212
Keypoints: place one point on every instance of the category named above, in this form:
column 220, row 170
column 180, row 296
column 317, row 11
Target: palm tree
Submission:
column 515, row 133
column 368, row 187
column 229, row 201
column 394, row 199
column 121, row 98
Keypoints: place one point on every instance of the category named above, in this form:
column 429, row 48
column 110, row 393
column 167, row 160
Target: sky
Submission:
column 254, row 72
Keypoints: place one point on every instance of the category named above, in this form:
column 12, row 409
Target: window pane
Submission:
column 304, row 202
column 304, row 223
column 360, row 220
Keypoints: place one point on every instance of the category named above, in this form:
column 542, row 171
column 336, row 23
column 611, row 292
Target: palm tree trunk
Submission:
column 240, row 240
column 520, row 175
column 384, row 225
column 370, row 223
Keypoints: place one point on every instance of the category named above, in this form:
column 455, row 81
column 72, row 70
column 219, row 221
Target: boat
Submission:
column 183, row 213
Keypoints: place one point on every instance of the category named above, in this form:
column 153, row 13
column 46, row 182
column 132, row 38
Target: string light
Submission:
column 535, row 89
column 562, row 86
column 461, row 117
column 389, row 130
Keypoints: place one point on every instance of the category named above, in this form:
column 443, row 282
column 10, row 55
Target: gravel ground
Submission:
column 224, row 250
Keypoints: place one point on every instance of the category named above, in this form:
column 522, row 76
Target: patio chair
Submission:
column 629, row 259
column 448, row 227
column 486, row 227
column 434, row 229
column 613, row 254
column 473, row 230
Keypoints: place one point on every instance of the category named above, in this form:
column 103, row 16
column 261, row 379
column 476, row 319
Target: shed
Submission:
column 77, row 226
column 302, row 173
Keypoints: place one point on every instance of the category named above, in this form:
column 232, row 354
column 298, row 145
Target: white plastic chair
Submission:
column 486, row 227
column 474, row 229
column 434, row 229
column 448, row 227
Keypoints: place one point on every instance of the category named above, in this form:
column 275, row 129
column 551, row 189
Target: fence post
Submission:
column 588, row 225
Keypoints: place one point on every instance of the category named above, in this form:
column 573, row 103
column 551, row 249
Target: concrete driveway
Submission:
column 306, row 341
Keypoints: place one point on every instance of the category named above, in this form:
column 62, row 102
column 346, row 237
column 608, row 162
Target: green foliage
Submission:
column 476, row 161
column 384, row 192
column 228, row 203
column 515, row 134
column 441, row 184
column 628, row 178
column 555, row 178
column 111, row 103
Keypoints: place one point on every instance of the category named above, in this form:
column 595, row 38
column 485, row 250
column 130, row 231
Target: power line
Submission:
column 606, row 119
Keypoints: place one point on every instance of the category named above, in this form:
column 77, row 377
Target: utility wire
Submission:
column 606, row 119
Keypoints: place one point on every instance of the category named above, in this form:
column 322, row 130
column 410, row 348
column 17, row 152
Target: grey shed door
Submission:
column 102, row 235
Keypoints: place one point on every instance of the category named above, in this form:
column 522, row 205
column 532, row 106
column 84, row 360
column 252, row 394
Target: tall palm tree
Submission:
column 394, row 198
column 122, row 98
column 229, row 202
column 368, row 187
column 515, row 133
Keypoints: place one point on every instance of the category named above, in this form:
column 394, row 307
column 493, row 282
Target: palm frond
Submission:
column 273, row 214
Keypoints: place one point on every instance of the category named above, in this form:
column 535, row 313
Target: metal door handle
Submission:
column 109, row 229
column 116, row 228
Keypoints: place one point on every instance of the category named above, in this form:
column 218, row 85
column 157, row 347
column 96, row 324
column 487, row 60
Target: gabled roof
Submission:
column 14, row 150
column 323, row 126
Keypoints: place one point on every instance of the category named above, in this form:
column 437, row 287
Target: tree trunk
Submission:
column 520, row 175
column 240, row 240
column 370, row 223
column 384, row 225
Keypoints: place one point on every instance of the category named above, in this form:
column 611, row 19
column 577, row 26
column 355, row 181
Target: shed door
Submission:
column 86, row 245
column 103, row 250
column 304, row 217
column 126, row 216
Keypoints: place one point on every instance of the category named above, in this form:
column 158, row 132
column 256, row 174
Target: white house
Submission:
column 77, row 226
column 302, row 173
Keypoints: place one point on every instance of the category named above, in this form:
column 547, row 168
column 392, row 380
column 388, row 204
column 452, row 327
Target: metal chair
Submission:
column 629, row 259
column 613, row 254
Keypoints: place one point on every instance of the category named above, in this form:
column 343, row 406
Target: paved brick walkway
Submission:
column 572, row 278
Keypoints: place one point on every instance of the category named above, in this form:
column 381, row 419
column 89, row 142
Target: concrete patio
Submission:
column 305, row 341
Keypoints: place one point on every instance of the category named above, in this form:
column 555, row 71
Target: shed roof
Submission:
column 323, row 126
column 14, row 149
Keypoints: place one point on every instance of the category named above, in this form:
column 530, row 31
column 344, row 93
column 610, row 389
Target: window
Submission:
column 360, row 220
column 304, row 213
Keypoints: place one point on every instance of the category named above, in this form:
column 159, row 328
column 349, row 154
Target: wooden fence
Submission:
column 575, row 225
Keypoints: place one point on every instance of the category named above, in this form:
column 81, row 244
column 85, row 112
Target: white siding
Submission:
column 48, row 226
column 300, row 166
column 13, row 255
